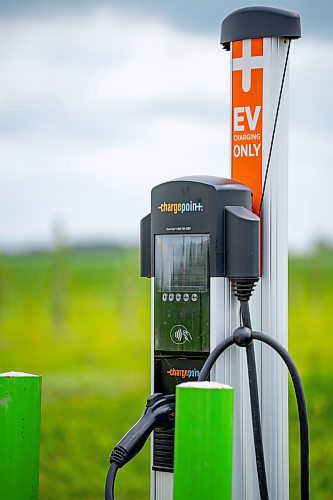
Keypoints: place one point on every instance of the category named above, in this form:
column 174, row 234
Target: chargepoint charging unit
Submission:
column 208, row 239
column 183, row 251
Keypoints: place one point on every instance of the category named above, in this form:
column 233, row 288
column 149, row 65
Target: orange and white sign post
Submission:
column 247, row 115
column 259, row 41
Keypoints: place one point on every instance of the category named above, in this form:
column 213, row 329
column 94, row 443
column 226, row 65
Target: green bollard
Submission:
column 20, row 408
column 203, row 441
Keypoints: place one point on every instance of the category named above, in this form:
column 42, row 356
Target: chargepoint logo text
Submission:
column 175, row 372
column 181, row 208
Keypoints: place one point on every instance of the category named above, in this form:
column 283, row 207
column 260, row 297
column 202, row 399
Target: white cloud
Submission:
column 105, row 61
column 98, row 108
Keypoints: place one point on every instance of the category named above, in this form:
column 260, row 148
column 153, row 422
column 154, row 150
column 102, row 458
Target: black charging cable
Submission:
column 243, row 289
column 160, row 410
column 254, row 401
column 158, row 413
column 301, row 406
column 274, row 127
column 243, row 337
column 110, row 480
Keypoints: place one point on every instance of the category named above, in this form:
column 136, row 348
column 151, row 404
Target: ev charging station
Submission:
column 204, row 232
column 186, row 231
column 191, row 316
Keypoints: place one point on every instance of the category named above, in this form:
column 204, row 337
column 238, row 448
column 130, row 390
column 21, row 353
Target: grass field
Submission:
column 81, row 319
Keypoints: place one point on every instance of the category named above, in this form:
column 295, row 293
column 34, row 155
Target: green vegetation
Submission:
column 81, row 319
column 311, row 345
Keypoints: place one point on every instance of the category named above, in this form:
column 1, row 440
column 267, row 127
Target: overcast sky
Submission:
column 100, row 101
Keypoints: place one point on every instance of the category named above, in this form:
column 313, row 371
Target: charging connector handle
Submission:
column 158, row 413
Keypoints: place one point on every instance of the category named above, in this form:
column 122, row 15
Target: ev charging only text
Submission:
column 242, row 115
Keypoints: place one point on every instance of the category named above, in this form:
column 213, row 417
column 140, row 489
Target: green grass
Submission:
column 311, row 345
column 81, row 319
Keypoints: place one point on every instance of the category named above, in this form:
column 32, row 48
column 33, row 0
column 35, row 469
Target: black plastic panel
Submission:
column 195, row 205
column 163, row 450
column 242, row 238
column 170, row 371
column 259, row 22
column 145, row 247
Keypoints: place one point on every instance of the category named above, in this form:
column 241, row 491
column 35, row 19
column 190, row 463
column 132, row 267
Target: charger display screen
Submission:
column 181, row 263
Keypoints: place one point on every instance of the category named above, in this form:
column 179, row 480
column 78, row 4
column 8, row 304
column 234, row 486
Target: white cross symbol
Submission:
column 246, row 64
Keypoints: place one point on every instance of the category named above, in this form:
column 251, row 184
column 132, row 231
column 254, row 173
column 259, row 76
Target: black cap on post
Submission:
column 259, row 22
